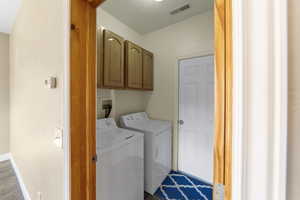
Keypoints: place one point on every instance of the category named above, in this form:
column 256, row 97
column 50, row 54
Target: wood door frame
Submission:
column 223, row 95
column 83, row 97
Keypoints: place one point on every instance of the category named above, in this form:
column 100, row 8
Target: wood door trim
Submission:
column 83, row 97
column 223, row 95
column 219, row 146
column 229, row 98
column 95, row 3
column 83, row 100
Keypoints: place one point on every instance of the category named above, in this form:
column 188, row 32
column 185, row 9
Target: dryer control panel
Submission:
column 134, row 117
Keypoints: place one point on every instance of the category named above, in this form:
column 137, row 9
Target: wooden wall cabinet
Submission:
column 111, row 60
column 134, row 66
column 122, row 64
column 147, row 70
column 100, row 56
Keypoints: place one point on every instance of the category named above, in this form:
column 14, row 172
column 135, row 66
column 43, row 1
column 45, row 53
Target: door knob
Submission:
column 180, row 122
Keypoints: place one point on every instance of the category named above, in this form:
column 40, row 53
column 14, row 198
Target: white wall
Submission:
column 293, row 191
column 128, row 101
column 111, row 23
column 189, row 38
column 4, row 93
column 37, row 45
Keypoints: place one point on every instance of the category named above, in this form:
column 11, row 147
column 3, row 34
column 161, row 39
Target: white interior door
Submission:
column 196, row 117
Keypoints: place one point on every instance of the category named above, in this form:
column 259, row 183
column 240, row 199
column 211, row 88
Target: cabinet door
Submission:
column 147, row 70
column 100, row 53
column 134, row 66
column 113, row 68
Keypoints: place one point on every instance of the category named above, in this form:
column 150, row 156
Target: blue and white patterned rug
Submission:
column 178, row 186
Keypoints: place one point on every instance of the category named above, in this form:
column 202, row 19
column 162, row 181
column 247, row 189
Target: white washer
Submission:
column 157, row 134
column 120, row 166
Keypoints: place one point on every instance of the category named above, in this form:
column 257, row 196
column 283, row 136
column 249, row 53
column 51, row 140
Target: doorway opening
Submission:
column 128, row 71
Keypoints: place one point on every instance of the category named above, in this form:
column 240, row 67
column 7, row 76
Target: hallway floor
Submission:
column 9, row 186
column 150, row 197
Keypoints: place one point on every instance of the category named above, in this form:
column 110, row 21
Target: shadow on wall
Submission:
column 123, row 102
column 4, row 93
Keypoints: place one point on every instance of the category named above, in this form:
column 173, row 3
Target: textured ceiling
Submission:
column 8, row 13
column 146, row 16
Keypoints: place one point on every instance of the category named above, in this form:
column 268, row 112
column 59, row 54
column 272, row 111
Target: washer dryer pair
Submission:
column 157, row 147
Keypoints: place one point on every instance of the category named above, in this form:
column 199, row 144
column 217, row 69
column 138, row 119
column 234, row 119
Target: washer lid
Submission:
column 106, row 124
column 107, row 140
column 109, row 136
column 150, row 126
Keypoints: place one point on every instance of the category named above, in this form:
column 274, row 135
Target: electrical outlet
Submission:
column 58, row 137
column 39, row 196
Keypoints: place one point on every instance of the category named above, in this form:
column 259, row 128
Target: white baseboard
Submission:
column 8, row 156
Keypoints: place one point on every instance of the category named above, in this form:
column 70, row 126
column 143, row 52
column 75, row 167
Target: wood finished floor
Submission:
column 150, row 197
column 9, row 186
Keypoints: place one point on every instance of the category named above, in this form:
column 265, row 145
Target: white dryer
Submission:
column 120, row 166
column 158, row 136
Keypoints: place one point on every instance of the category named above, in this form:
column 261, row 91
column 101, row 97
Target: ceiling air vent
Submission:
column 181, row 9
